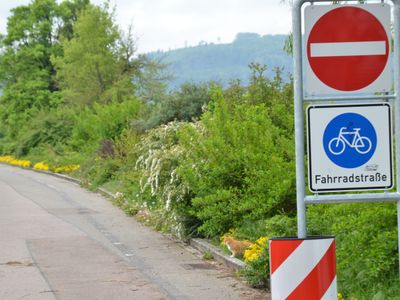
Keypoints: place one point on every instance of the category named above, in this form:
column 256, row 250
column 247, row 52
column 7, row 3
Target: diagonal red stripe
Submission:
column 281, row 250
column 314, row 286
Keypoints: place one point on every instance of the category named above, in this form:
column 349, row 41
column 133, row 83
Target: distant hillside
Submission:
column 224, row 62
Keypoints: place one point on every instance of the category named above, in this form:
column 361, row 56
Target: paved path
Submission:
column 59, row 241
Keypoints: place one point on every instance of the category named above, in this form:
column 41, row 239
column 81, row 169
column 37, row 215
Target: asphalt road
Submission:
column 59, row 241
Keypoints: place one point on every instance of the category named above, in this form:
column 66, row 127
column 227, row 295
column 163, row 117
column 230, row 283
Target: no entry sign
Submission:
column 347, row 49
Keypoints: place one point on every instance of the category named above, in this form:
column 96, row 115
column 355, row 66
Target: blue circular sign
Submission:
column 349, row 140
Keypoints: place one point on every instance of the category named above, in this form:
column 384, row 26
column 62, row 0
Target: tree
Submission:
column 88, row 66
column 184, row 104
column 26, row 71
column 98, row 63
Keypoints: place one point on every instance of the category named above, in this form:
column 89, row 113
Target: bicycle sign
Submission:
column 360, row 143
column 349, row 147
column 349, row 140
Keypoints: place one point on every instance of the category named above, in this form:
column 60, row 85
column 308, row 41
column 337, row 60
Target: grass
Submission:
column 208, row 255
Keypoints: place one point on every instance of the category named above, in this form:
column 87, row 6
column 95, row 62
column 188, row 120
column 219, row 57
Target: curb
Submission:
column 199, row 244
column 59, row 175
column 204, row 246
column 106, row 193
column 99, row 190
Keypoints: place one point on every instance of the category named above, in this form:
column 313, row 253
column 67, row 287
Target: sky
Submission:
column 171, row 24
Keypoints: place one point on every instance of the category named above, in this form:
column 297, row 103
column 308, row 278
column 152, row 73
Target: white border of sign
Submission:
column 314, row 86
column 325, row 176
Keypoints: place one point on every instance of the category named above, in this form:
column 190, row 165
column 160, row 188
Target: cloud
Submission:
column 162, row 24
column 166, row 24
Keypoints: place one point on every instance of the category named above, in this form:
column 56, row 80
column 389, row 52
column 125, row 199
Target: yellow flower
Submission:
column 262, row 241
column 16, row 162
column 41, row 166
column 6, row 158
column 9, row 159
column 254, row 252
column 67, row 168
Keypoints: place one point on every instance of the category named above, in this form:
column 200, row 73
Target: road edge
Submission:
column 201, row 245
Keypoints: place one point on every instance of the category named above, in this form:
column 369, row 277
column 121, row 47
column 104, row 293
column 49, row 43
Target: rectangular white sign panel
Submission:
column 347, row 49
column 349, row 147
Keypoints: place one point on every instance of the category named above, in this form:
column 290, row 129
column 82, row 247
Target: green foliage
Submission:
column 125, row 147
column 92, row 125
column 26, row 72
column 256, row 271
column 281, row 226
column 239, row 162
column 159, row 157
column 218, row 211
column 98, row 63
column 366, row 246
column 184, row 104
column 51, row 128
column 208, row 255
column 88, row 66
column 99, row 171
column 72, row 92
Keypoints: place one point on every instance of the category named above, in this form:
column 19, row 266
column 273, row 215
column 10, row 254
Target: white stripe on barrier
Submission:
column 347, row 49
column 331, row 293
column 297, row 266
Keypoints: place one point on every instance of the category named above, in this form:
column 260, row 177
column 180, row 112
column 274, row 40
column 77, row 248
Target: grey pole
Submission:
column 299, row 119
column 396, row 61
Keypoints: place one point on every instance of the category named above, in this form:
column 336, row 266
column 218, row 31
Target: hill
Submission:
column 225, row 62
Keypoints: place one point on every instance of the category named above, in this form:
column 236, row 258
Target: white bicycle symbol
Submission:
column 337, row 145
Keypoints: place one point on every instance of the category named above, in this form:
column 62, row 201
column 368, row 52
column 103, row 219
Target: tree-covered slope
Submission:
column 224, row 62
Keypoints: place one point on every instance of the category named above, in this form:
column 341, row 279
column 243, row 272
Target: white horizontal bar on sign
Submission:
column 348, row 49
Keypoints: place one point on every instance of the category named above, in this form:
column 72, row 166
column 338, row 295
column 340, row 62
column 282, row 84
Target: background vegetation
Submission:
column 203, row 159
column 224, row 62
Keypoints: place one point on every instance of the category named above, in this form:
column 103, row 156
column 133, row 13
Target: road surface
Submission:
column 59, row 241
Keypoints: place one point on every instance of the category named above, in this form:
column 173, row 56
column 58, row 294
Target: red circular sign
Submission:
column 342, row 48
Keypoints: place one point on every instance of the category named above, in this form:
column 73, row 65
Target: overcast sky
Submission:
column 170, row 24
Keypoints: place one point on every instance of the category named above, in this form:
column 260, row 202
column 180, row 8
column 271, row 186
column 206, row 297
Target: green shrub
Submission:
column 47, row 128
column 99, row 170
column 281, row 226
column 366, row 245
column 184, row 104
column 239, row 165
column 159, row 156
column 102, row 121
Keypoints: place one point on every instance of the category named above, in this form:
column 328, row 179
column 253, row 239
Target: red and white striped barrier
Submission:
column 303, row 269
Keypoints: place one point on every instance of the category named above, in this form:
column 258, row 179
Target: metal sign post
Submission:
column 365, row 89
